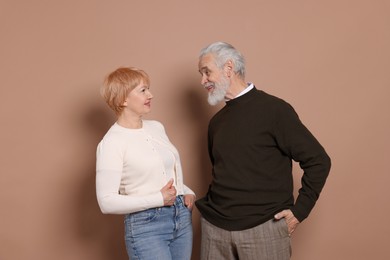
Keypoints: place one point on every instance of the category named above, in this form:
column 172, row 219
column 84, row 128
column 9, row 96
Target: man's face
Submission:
column 213, row 79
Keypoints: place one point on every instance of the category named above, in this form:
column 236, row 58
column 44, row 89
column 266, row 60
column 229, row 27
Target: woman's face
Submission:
column 139, row 100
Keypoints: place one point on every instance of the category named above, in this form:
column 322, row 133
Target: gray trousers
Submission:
column 268, row 241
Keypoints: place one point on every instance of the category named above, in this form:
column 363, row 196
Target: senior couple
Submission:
column 249, row 211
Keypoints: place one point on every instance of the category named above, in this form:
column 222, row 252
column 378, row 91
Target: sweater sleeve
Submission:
column 188, row 190
column 111, row 202
column 295, row 140
column 109, row 165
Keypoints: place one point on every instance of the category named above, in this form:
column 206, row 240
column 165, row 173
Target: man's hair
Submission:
column 118, row 84
column 223, row 52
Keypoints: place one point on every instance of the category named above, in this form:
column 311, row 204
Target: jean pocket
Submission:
column 145, row 217
column 141, row 222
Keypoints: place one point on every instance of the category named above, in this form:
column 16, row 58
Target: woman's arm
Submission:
column 111, row 202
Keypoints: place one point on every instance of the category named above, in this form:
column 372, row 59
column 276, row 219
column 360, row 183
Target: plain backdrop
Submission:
column 329, row 59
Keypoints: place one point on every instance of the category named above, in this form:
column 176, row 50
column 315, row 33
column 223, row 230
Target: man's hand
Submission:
column 169, row 193
column 189, row 201
column 292, row 222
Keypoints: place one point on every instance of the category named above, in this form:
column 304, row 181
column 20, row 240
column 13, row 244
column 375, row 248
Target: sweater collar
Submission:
column 246, row 90
column 247, row 94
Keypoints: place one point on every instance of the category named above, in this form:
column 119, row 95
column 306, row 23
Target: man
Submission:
column 249, row 211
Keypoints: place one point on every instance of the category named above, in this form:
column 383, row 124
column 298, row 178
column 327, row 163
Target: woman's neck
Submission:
column 130, row 122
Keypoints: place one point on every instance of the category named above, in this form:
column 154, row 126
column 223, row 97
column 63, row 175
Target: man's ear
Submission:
column 229, row 68
column 124, row 104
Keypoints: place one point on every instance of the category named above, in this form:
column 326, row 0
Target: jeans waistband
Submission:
column 179, row 200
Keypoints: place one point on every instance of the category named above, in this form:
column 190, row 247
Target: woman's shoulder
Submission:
column 152, row 124
column 117, row 133
column 113, row 134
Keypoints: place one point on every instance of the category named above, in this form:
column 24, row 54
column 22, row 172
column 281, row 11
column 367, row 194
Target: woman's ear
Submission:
column 124, row 104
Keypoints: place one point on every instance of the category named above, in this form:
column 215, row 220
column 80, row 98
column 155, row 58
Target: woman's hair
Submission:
column 223, row 52
column 118, row 84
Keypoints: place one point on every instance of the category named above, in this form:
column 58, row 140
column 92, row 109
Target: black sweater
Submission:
column 252, row 142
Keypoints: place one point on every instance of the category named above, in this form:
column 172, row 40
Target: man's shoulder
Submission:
column 266, row 95
column 270, row 99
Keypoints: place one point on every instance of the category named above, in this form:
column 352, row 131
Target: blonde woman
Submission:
column 139, row 174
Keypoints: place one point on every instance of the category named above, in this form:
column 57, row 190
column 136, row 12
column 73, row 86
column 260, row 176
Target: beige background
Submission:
column 329, row 59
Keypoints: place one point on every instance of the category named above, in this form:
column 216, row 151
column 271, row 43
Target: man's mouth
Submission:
column 209, row 87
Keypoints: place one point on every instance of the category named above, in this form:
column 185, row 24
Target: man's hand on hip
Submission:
column 291, row 220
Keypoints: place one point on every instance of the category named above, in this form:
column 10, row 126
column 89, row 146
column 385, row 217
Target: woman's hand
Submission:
column 169, row 193
column 189, row 201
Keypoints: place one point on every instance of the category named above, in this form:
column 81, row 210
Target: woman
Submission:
column 138, row 173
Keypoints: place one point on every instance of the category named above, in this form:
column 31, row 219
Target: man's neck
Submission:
column 236, row 87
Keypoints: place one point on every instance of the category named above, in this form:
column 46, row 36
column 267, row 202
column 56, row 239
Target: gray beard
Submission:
column 219, row 92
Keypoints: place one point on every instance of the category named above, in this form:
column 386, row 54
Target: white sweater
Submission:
column 130, row 172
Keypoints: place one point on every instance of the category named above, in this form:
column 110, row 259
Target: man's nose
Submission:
column 204, row 80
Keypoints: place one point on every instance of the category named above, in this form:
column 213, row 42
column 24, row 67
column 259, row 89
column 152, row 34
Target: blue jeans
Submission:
column 163, row 233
